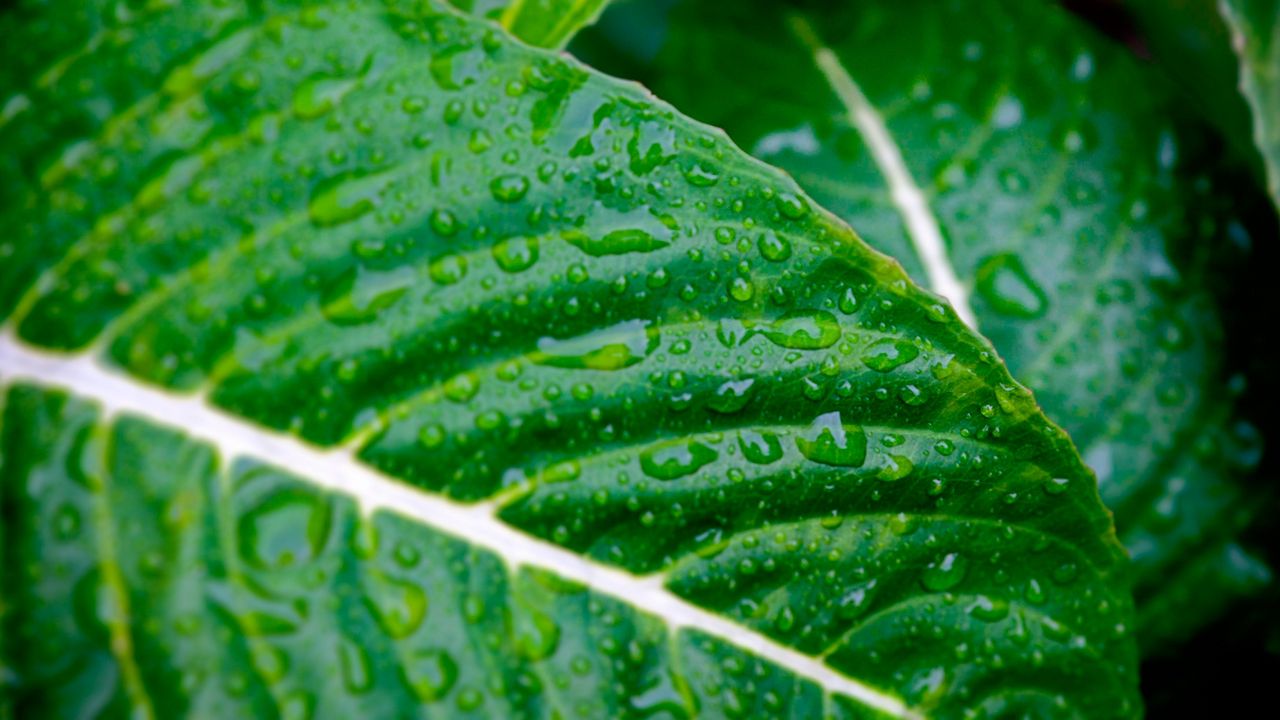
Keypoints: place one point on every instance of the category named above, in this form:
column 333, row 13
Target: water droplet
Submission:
column 761, row 448
column 353, row 662
column 611, row 348
column 430, row 674
column 463, row 387
column 785, row 619
column 774, row 248
column 895, row 468
column 319, row 94
column 1056, row 486
column 676, row 459
column 701, row 175
column 989, row 609
column 448, row 269
column 285, row 529
column 509, row 188
column 831, row 442
column 345, row 197
column 398, row 605
column 516, row 254
column 888, row 354
column 1005, row 284
column 444, row 223
column 945, row 573
column 805, row 330
column 731, row 396
column 538, row 637
column 856, row 600
column 615, row 242
column 792, row 206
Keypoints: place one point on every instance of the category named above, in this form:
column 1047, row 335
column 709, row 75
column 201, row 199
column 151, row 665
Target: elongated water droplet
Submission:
column 676, row 459
column 360, row 295
column 611, row 348
column 732, row 396
column 888, row 354
column 345, row 197
column 318, row 95
column 805, row 330
column 354, row 665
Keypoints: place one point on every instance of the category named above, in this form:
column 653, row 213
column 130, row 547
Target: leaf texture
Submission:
column 660, row 435
column 997, row 149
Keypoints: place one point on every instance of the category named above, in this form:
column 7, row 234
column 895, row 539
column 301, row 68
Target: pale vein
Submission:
column 907, row 197
column 477, row 524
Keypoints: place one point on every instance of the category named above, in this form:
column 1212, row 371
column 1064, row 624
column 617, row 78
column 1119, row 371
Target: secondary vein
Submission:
column 907, row 197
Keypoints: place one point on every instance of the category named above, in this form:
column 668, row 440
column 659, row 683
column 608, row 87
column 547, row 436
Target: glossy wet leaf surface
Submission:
column 1079, row 217
column 509, row 283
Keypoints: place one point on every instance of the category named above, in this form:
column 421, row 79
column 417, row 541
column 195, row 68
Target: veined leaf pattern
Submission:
column 722, row 459
column 997, row 149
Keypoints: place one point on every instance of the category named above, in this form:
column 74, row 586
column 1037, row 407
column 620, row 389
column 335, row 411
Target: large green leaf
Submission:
column 361, row 361
column 1000, row 151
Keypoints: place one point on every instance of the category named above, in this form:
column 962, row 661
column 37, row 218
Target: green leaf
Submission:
column 361, row 361
column 1223, row 55
column 1001, row 153
column 1190, row 43
column 1255, row 38
column 541, row 23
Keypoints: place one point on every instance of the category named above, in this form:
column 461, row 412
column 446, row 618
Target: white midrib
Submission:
column 907, row 197
column 339, row 470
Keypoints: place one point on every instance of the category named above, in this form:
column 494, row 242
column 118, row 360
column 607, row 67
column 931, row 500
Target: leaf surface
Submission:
column 1255, row 39
column 998, row 151
column 541, row 23
column 361, row 360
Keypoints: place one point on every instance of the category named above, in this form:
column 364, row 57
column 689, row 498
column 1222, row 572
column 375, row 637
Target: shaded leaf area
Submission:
column 151, row 579
column 496, row 275
column 1223, row 55
column 1255, row 39
column 1075, row 210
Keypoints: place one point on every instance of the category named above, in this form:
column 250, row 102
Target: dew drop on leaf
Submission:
column 759, row 447
column 830, row 442
column 430, row 674
column 889, row 354
column 509, row 188
column 805, row 330
column 399, row 606
column 1003, row 281
column 945, row 573
column 612, row 348
column 676, row 459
